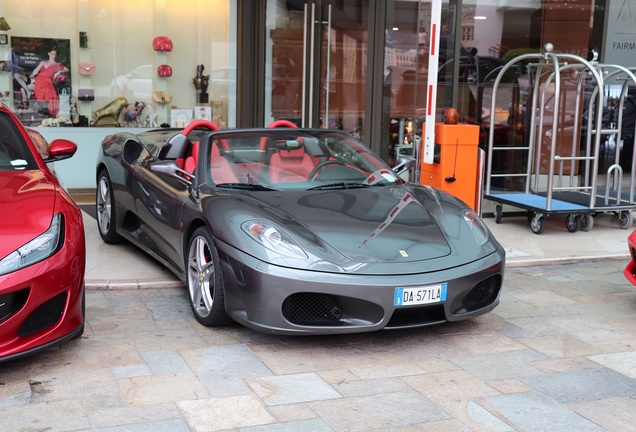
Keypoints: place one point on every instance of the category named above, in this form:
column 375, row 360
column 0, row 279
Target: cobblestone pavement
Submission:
column 558, row 353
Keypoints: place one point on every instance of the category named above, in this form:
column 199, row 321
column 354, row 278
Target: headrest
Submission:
column 292, row 154
column 289, row 145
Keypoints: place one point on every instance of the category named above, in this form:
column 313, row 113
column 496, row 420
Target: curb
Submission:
column 535, row 262
column 133, row 284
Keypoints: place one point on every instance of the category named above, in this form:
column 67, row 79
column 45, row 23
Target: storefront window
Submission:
column 497, row 36
column 316, row 63
column 406, row 73
column 110, row 69
column 477, row 39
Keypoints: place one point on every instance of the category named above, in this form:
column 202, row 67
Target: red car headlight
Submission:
column 38, row 249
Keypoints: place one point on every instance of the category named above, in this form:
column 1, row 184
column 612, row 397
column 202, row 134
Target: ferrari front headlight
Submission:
column 477, row 227
column 38, row 249
column 273, row 238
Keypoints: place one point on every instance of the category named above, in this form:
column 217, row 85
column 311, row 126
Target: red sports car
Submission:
column 630, row 270
column 42, row 249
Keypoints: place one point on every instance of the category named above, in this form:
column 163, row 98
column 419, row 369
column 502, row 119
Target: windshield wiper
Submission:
column 340, row 185
column 245, row 186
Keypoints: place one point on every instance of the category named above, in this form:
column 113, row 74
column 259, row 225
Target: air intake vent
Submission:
column 312, row 309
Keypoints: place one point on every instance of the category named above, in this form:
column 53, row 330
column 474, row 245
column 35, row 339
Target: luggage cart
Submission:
column 576, row 195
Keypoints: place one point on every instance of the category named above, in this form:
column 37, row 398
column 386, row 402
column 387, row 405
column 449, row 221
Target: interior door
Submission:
column 316, row 62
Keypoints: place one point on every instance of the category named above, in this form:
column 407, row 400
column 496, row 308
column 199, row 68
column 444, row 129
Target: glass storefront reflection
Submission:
column 477, row 39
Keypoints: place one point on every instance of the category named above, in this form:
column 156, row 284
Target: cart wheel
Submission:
column 572, row 222
column 587, row 222
column 537, row 224
column 498, row 213
column 625, row 219
column 529, row 215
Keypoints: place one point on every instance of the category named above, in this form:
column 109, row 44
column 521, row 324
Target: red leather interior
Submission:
column 191, row 161
column 220, row 168
column 290, row 165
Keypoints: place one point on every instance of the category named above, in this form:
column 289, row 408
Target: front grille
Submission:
column 420, row 315
column 12, row 302
column 44, row 316
column 312, row 309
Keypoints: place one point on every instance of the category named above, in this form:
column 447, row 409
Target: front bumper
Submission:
column 280, row 300
column 42, row 303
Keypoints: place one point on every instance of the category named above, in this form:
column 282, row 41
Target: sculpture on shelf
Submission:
column 200, row 82
column 112, row 110
column 132, row 115
column 151, row 120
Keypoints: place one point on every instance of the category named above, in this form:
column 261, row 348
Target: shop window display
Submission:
column 117, row 64
column 476, row 40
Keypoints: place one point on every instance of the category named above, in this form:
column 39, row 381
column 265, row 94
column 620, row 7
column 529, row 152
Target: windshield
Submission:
column 293, row 159
column 14, row 151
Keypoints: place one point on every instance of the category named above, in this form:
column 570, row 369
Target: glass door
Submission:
column 316, row 62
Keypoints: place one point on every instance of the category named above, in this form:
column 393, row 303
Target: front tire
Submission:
column 205, row 280
column 105, row 209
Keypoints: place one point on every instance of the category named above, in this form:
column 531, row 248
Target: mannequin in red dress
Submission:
column 45, row 74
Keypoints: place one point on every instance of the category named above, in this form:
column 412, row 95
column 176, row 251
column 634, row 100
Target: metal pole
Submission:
column 431, row 100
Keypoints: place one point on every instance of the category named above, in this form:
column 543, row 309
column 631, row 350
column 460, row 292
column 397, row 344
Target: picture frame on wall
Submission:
column 202, row 112
column 180, row 118
column 4, row 39
column 41, row 72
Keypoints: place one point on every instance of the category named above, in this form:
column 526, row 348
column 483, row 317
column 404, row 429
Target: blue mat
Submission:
column 536, row 202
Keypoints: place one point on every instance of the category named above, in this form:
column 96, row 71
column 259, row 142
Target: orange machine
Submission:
column 455, row 164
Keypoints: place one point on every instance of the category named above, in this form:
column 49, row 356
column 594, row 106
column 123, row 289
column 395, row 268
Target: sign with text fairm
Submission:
column 620, row 44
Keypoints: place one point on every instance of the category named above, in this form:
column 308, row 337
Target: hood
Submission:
column 27, row 200
column 367, row 225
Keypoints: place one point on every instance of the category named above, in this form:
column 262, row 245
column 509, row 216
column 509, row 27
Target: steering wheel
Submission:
column 323, row 164
column 200, row 123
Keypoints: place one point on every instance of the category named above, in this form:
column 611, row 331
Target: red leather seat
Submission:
column 191, row 161
column 220, row 168
column 287, row 165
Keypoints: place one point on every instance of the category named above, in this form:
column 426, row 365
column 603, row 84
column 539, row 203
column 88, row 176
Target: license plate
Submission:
column 420, row 295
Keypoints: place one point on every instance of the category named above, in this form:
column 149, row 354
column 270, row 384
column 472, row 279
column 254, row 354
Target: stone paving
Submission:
column 558, row 353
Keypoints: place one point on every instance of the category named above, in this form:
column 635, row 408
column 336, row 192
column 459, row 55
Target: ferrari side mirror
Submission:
column 404, row 163
column 171, row 168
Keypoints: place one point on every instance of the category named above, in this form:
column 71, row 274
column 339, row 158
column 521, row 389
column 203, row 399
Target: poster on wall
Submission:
column 41, row 80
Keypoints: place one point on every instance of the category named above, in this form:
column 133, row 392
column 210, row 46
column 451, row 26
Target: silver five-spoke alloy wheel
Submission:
column 205, row 282
column 105, row 209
